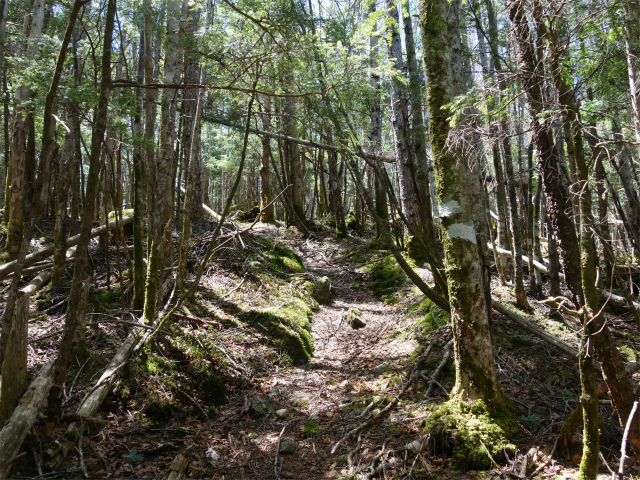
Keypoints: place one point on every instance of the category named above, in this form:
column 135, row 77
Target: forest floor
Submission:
column 220, row 396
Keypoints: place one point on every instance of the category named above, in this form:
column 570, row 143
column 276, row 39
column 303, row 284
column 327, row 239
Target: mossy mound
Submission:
column 112, row 214
column 468, row 433
column 281, row 259
column 386, row 277
column 287, row 327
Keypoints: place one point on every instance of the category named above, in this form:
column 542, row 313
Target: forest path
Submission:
column 338, row 380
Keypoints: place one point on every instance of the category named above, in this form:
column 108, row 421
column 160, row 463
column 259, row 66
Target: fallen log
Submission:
column 92, row 401
column 616, row 300
column 178, row 467
column 8, row 268
column 541, row 267
column 15, row 430
column 531, row 327
column 204, row 207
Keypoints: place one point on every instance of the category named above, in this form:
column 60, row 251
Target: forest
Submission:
column 354, row 239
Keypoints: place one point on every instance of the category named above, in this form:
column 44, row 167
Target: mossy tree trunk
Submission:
column 267, row 215
column 153, row 218
column 476, row 376
column 418, row 140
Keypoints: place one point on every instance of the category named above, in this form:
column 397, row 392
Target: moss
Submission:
column 108, row 299
column 386, row 276
column 311, row 428
column 281, row 259
column 213, row 391
column 112, row 214
column 466, row 431
column 161, row 409
column 629, row 353
column 287, row 327
column 520, row 341
column 415, row 250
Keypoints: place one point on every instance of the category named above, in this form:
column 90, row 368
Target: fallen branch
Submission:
column 205, row 207
column 615, row 300
column 15, row 430
column 434, row 376
column 92, row 401
column 539, row 332
column 8, row 268
column 379, row 415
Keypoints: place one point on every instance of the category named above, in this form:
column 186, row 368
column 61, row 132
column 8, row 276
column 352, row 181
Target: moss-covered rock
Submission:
column 468, row 433
column 281, row 259
column 287, row 327
column 322, row 290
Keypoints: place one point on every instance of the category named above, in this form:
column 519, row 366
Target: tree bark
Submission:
column 476, row 376
column 74, row 313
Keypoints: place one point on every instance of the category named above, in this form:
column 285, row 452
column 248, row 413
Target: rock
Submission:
column 354, row 320
column 287, row 447
column 300, row 400
column 414, row 446
column 259, row 408
column 353, row 414
column 322, row 292
column 282, row 413
column 380, row 369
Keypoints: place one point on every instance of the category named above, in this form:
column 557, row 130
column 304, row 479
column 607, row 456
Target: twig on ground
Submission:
column 445, row 359
column 382, row 413
column 276, row 468
column 623, row 447
column 83, row 465
column 493, row 462
column 193, row 401
column 549, row 458
column 233, row 289
column 75, row 379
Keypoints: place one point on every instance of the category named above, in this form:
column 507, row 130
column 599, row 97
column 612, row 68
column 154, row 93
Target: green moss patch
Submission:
column 468, row 433
column 287, row 327
column 281, row 259
column 386, row 277
column 112, row 214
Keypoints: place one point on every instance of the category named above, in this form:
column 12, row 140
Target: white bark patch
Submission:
column 450, row 208
column 460, row 230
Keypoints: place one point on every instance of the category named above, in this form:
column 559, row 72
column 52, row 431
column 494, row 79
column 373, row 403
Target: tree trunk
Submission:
column 65, row 165
column 418, row 141
column 375, row 116
column 138, row 182
column 267, row 215
column 154, row 236
column 476, row 376
column 578, row 275
column 411, row 198
column 74, row 313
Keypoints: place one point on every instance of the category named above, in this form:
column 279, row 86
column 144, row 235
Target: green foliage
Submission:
column 281, row 259
column 311, row 428
column 386, row 277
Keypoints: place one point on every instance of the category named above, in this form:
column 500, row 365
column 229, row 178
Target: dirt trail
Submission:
column 344, row 360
